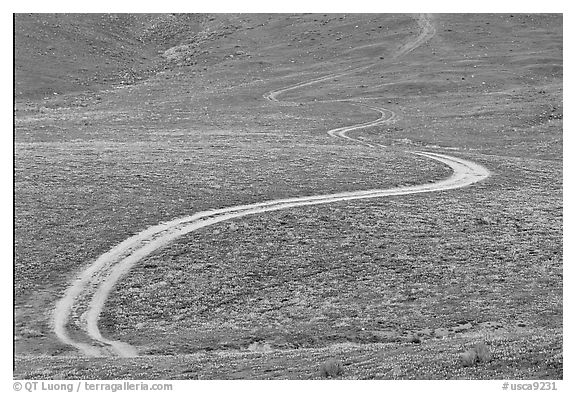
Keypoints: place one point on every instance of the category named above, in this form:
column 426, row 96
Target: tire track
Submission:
column 427, row 31
column 85, row 298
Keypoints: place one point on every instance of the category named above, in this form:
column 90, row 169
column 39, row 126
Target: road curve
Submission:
column 85, row 298
column 427, row 31
column 99, row 279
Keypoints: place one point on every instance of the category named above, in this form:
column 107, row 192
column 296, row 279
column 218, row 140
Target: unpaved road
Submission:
column 427, row 31
column 84, row 300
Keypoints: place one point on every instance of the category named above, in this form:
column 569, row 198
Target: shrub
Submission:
column 480, row 353
column 414, row 339
column 468, row 358
column 331, row 368
column 30, row 333
column 259, row 347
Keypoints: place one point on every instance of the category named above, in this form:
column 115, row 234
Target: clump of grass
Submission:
column 331, row 368
column 480, row 353
column 30, row 333
column 469, row 357
column 259, row 347
column 414, row 339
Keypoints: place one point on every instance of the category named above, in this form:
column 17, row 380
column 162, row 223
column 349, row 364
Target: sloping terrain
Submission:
column 62, row 53
column 275, row 295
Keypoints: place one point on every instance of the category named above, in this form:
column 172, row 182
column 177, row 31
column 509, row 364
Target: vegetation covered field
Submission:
column 389, row 288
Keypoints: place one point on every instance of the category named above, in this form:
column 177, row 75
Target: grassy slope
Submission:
column 62, row 53
column 200, row 136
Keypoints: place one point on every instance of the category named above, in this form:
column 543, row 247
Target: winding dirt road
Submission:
column 84, row 300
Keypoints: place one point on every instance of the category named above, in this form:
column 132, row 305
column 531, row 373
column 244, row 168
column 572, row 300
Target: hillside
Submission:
column 62, row 53
column 127, row 121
